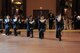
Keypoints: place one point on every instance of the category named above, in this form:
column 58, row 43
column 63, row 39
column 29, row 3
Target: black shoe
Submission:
column 31, row 37
column 60, row 39
column 1, row 31
column 16, row 35
column 41, row 38
column 19, row 32
column 10, row 32
column 7, row 34
column 28, row 36
column 57, row 37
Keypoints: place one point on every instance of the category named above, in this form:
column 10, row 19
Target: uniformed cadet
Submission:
column 59, row 26
column 30, row 26
column 42, row 27
column 7, row 26
column 51, row 20
column 1, row 27
column 15, row 23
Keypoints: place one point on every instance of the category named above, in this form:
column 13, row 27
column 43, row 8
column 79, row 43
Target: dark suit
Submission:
column 42, row 28
column 30, row 27
column 51, row 19
column 15, row 23
column 59, row 28
column 1, row 20
column 7, row 26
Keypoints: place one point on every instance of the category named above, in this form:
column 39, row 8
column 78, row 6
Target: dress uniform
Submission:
column 6, row 21
column 15, row 22
column 51, row 20
column 30, row 26
column 59, row 26
column 1, row 22
column 42, row 27
column 78, row 22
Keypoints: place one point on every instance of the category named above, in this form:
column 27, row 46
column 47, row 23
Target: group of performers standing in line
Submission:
column 13, row 21
column 30, row 22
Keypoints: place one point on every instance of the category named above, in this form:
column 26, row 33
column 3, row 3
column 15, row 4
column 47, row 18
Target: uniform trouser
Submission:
column 50, row 25
column 7, row 31
column 30, row 32
column 58, row 33
column 41, row 34
column 15, row 31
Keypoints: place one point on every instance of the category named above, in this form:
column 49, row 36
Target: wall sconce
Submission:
column 41, row 7
column 12, row 1
column 18, row 3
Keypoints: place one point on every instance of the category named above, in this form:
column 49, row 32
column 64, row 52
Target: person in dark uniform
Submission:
column 41, row 27
column 7, row 26
column 51, row 20
column 78, row 22
column 15, row 22
column 59, row 26
column 1, row 24
column 30, row 26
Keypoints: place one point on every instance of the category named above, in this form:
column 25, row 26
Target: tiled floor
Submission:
column 21, row 44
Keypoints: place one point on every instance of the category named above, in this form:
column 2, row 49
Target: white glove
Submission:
column 14, row 20
column 43, row 20
column 31, row 22
column 6, row 20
